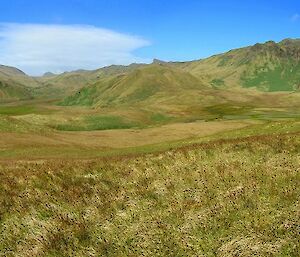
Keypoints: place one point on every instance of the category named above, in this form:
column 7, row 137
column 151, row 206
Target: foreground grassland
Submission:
column 234, row 197
column 221, row 180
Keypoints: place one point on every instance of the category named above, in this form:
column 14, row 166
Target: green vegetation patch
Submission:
column 14, row 91
column 143, row 93
column 19, row 110
column 160, row 118
column 221, row 110
column 96, row 123
column 84, row 97
column 281, row 78
column 217, row 82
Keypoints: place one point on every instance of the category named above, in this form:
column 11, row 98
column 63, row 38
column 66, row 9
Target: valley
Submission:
column 196, row 158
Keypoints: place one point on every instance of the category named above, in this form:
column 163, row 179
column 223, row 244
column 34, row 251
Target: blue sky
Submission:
column 145, row 29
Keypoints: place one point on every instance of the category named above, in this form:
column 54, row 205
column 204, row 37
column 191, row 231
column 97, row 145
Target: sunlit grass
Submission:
column 235, row 198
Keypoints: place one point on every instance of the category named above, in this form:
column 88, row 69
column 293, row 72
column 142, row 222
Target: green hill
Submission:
column 57, row 86
column 68, row 83
column 17, row 76
column 12, row 91
column 149, row 84
column 267, row 67
column 15, row 84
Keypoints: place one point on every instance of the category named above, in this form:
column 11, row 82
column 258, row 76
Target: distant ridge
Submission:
column 269, row 66
column 266, row 67
column 48, row 74
column 157, row 61
column 146, row 84
column 11, row 71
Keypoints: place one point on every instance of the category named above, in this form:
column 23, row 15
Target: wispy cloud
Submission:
column 37, row 48
column 295, row 17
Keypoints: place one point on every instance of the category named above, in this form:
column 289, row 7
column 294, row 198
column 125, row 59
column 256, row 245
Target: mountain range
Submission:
column 261, row 68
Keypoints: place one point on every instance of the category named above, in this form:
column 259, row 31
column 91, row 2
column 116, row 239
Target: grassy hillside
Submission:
column 10, row 71
column 68, row 83
column 220, row 79
column 15, row 84
column 153, row 82
column 16, row 76
column 10, row 90
column 58, row 86
column 268, row 67
column 224, row 198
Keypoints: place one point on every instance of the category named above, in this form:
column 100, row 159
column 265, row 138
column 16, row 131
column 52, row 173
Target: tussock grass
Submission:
column 224, row 198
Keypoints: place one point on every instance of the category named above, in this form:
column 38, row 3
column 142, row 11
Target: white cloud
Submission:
column 37, row 48
column 295, row 17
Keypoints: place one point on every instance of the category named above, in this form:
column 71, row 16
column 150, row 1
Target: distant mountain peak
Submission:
column 270, row 43
column 11, row 70
column 157, row 61
column 48, row 74
column 290, row 42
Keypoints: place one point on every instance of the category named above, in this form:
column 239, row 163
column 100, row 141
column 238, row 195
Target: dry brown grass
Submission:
column 224, row 198
column 80, row 141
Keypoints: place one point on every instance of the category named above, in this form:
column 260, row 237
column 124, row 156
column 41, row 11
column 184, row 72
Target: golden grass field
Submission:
column 233, row 197
column 219, row 185
column 100, row 141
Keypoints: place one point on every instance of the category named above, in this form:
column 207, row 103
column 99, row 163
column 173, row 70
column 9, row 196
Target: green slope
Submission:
column 12, row 74
column 15, row 84
column 11, row 91
column 267, row 67
column 147, row 84
column 68, row 83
